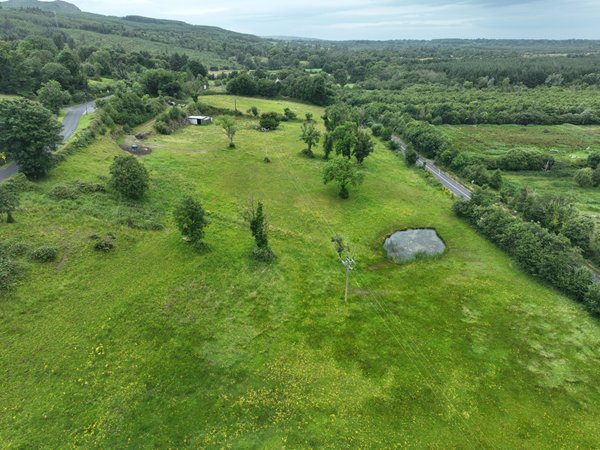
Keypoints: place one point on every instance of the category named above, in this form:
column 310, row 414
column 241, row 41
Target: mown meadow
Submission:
column 156, row 345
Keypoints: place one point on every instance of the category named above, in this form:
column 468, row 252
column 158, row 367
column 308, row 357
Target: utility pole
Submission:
column 349, row 265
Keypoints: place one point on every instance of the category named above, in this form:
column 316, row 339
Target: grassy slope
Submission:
column 156, row 346
column 569, row 143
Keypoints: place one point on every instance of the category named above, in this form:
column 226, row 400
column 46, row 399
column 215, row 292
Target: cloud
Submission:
column 376, row 19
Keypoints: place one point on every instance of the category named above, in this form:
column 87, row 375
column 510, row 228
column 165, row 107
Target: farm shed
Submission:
column 200, row 120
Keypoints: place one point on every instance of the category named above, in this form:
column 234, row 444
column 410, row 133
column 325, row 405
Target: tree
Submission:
column 344, row 138
column 343, row 172
column 584, row 177
column 495, row 180
column 341, row 76
column 269, row 121
column 58, row 72
column 259, row 228
column 28, row 132
column 311, row 136
column 9, row 201
column 230, row 127
column 157, row 82
column 52, row 96
column 327, row 145
column 197, row 68
column 129, row 176
column 579, row 230
column 363, row 146
column 592, row 299
column 596, row 177
column 593, row 159
column 191, row 220
column 289, row 114
column 411, row 157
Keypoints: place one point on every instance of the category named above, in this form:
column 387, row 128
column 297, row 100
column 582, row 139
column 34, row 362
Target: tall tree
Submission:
column 344, row 172
column 230, row 127
column 259, row 227
column 129, row 176
column 363, row 146
column 29, row 133
column 311, row 136
column 191, row 220
column 52, row 96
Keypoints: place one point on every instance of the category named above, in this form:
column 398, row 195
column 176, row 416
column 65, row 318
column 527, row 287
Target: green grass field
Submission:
column 569, row 144
column 243, row 104
column 156, row 346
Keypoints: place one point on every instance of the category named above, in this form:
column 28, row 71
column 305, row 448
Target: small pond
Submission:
column 405, row 245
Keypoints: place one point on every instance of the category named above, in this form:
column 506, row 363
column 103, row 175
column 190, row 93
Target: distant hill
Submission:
column 293, row 38
column 214, row 46
column 56, row 5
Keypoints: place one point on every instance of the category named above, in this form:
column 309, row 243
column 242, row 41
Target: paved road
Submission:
column 450, row 183
column 70, row 124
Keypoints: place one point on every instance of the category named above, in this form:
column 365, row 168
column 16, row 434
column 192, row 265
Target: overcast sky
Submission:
column 376, row 19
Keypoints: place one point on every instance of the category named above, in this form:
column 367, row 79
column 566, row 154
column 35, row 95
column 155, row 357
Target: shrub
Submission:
column 12, row 248
column 593, row 159
column 72, row 190
column 129, row 176
column 584, row 178
column 525, row 159
column 63, row 192
column 289, row 114
column 9, row 272
column 104, row 245
column 191, row 219
column 44, row 254
column 592, row 299
column 269, row 121
column 410, row 157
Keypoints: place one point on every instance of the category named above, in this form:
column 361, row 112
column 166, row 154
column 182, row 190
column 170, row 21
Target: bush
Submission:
column 584, row 178
column 9, row 272
column 593, row 160
column 524, row 159
column 72, row 191
column 289, row 114
column 410, row 157
column 129, row 176
column 592, row 299
column 191, row 219
column 104, row 245
column 12, row 248
column 44, row 254
column 269, row 121
column 162, row 128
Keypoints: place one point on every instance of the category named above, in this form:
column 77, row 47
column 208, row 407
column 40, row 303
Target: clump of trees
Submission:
column 170, row 120
column 538, row 250
column 191, row 220
column 29, row 133
column 259, row 227
column 343, row 172
column 129, row 177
